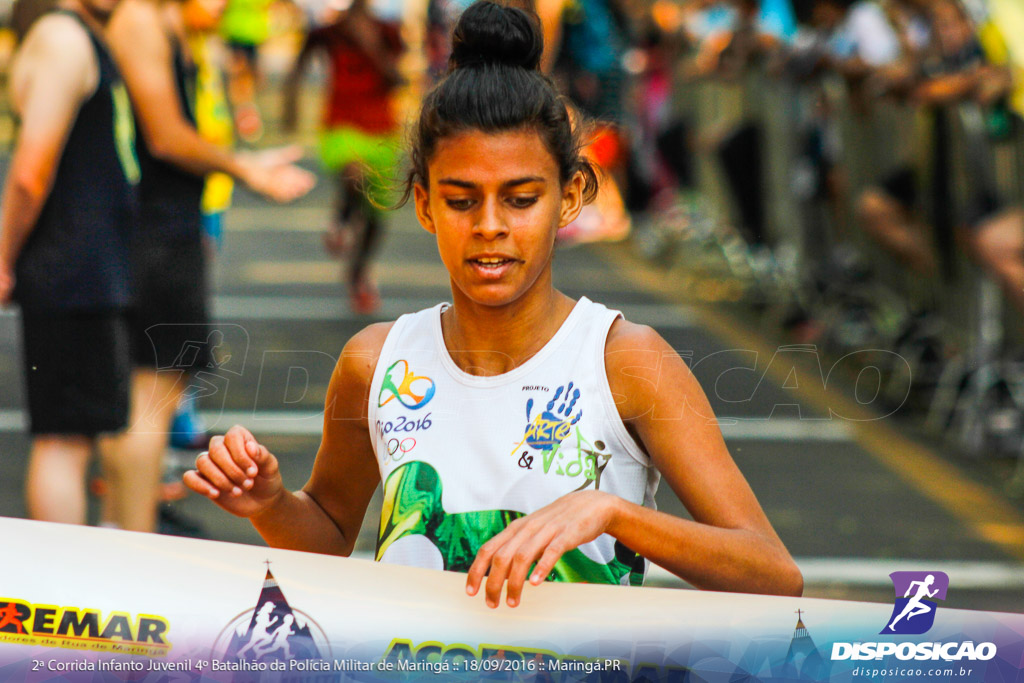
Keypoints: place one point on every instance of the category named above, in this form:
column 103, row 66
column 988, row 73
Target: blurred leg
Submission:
column 346, row 227
column 366, row 246
column 998, row 246
column 132, row 460
column 55, row 482
column 367, row 233
column 888, row 223
column 242, row 77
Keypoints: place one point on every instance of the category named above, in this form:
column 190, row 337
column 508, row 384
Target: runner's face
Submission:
column 495, row 203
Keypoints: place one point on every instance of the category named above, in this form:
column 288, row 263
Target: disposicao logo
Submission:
column 914, row 612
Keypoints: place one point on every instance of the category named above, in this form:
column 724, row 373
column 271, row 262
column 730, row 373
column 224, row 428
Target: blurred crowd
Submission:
column 853, row 168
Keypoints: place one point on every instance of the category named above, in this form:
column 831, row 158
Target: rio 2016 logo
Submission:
column 411, row 390
column 915, row 607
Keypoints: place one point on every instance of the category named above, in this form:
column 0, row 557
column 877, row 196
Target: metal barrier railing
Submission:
column 955, row 157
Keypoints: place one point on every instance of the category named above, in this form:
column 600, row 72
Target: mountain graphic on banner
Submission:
column 803, row 661
column 275, row 632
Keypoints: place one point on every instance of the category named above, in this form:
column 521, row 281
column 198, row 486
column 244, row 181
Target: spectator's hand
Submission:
column 993, row 85
column 895, row 79
column 237, row 473
column 273, row 174
column 277, row 156
column 542, row 537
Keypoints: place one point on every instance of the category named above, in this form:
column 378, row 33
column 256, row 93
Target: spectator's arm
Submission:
column 949, row 88
column 550, row 13
column 142, row 48
column 143, row 51
column 897, row 78
column 53, row 73
column 853, row 69
column 995, row 82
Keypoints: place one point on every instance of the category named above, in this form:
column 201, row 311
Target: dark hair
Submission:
column 494, row 84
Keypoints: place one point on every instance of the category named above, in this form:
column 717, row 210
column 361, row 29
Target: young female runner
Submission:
column 517, row 432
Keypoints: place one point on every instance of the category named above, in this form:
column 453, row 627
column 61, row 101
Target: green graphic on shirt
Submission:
column 412, row 507
column 124, row 133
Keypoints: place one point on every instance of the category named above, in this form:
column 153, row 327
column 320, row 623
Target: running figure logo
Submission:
column 272, row 631
column 12, row 619
column 914, row 612
column 398, row 383
column 264, row 639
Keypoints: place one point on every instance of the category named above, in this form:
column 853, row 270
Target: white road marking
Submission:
column 310, row 423
column 871, row 572
column 324, row 308
column 765, row 429
column 229, row 308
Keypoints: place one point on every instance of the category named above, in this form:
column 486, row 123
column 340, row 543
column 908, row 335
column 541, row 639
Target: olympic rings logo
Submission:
column 401, row 447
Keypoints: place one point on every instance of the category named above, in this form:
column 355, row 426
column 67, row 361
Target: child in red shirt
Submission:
column 359, row 143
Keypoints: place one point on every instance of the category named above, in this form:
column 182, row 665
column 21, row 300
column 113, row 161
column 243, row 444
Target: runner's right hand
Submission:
column 237, row 473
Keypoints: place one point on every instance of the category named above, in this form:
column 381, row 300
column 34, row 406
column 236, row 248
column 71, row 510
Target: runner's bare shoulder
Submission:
column 648, row 378
column 367, row 343
column 632, row 357
column 354, row 371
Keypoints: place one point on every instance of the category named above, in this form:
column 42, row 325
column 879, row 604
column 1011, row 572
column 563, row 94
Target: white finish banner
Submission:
column 88, row 604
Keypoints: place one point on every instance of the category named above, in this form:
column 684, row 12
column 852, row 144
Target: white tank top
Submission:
column 461, row 456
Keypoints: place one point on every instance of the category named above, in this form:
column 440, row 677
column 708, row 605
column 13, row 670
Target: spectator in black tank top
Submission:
column 64, row 229
column 169, row 317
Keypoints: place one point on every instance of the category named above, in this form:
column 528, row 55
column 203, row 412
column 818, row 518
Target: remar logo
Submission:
column 914, row 612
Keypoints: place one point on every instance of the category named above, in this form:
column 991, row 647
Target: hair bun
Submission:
column 489, row 33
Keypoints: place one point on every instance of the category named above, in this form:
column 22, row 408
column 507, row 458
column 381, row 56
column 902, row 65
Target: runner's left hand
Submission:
column 542, row 537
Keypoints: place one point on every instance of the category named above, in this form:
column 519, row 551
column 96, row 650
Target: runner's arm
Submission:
column 729, row 546
column 242, row 476
column 326, row 515
column 53, row 73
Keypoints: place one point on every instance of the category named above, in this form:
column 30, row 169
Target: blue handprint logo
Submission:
column 554, row 423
